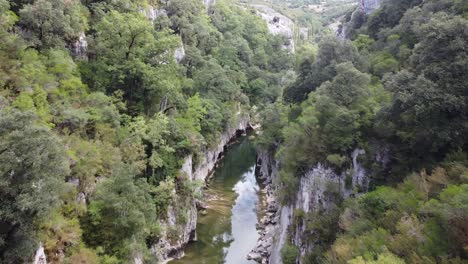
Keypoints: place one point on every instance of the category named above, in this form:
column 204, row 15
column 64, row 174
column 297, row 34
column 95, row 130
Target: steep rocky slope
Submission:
column 318, row 188
column 278, row 24
column 177, row 232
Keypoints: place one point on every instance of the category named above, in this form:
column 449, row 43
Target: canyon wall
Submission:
column 278, row 24
column 318, row 188
column 177, row 229
column 369, row 6
column 365, row 8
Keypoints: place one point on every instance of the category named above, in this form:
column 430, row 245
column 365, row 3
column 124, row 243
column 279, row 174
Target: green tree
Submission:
column 289, row 254
column 33, row 167
column 312, row 73
column 123, row 36
column 52, row 23
column 120, row 214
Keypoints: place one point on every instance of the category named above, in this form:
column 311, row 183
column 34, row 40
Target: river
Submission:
column 226, row 231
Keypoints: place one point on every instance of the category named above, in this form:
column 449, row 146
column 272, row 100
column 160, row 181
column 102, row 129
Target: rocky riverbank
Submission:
column 266, row 171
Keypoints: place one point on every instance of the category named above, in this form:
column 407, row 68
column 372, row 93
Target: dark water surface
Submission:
column 227, row 233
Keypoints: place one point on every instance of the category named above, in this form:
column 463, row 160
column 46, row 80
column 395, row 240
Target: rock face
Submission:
column 178, row 230
column 175, row 235
column 79, row 48
column 369, row 6
column 209, row 3
column 278, row 24
column 210, row 157
column 179, row 53
column 40, row 257
column 274, row 225
column 318, row 188
column 357, row 19
column 151, row 13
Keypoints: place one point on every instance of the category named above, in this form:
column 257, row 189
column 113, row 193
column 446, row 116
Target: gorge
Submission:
column 233, row 131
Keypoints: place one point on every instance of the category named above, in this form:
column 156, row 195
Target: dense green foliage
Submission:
column 93, row 134
column 420, row 221
column 398, row 90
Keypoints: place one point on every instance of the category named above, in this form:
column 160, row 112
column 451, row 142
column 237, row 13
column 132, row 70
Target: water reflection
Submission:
column 227, row 232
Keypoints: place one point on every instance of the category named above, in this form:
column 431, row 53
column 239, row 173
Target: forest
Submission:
column 398, row 90
column 101, row 101
column 114, row 124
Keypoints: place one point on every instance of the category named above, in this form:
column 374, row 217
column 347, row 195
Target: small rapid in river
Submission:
column 226, row 231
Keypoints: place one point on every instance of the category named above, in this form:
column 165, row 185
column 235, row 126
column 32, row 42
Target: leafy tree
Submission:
column 195, row 113
column 313, row 73
column 383, row 63
column 273, row 119
column 384, row 258
column 289, row 254
column 389, row 15
column 33, row 167
column 123, row 36
column 120, row 214
column 54, row 23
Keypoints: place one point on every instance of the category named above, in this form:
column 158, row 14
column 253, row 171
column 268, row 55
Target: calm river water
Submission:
column 227, row 233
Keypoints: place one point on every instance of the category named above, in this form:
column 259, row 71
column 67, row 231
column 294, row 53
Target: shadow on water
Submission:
column 227, row 233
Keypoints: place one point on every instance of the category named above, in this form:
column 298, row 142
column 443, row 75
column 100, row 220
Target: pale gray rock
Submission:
column 369, row 6
column 168, row 246
column 209, row 3
column 40, row 257
column 79, row 48
column 278, row 24
column 318, row 188
column 179, row 53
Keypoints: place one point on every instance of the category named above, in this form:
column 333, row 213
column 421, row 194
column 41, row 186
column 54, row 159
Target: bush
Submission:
column 289, row 253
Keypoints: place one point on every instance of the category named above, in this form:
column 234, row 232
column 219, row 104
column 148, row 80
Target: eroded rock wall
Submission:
column 177, row 229
column 319, row 188
column 79, row 48
column 369, row 6
column 278, row 24
column 40, row 257
column 365, row 8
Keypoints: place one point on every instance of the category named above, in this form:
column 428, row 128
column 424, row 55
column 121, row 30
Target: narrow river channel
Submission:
column 226, row 231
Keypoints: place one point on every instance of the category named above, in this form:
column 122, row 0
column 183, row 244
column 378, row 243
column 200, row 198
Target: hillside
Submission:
column 217, row 131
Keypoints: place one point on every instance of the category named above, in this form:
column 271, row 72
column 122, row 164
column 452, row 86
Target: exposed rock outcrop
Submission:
column 318, row 188
column 176, row 233
column 40, row 257
column 209, row 3
column 369, row 6
column 178, row 230
column 357, row 18
column 179, row 53
column 210, row 156
column 278, row 24
column 273, row 226
column 151, row 13
column 79, row 48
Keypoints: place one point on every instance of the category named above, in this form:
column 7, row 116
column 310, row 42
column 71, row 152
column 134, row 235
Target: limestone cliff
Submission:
column 365, row 8
column 40, row 257
column 178, row 230
column 369, row 6
column 318, row 188
column 79, row 48
column 278, row 24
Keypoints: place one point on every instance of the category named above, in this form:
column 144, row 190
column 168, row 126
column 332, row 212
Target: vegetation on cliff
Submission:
column 398, row 90
column 101, row 101
column 96, row 116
